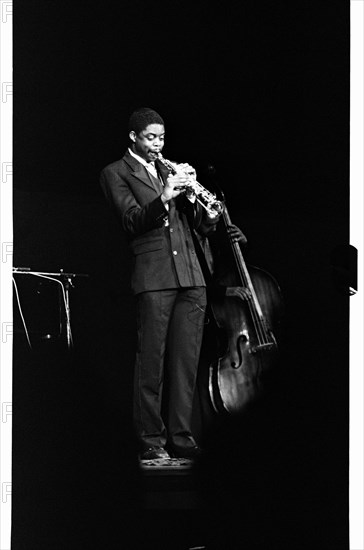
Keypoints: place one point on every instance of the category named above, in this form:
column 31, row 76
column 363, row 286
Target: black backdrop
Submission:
column 261, row 91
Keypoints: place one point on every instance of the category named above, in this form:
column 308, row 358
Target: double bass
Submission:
column 236, row 378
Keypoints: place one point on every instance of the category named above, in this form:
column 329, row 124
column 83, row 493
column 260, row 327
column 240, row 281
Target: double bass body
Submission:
column 236, row 378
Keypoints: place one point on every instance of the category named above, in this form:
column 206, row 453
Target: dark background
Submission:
column 261, row 91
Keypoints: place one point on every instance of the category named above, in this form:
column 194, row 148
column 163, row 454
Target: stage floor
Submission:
column 169, row 484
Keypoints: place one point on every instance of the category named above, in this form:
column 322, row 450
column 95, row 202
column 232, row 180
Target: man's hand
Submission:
column 241, row 292
column 236, row 235
column 187, row 169
column 174, row 186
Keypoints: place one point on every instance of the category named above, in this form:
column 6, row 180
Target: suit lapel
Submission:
column 139, row 171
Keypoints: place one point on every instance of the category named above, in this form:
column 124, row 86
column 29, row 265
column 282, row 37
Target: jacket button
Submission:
column 175, row 252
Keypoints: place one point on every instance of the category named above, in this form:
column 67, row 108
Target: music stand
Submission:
column 66, row 281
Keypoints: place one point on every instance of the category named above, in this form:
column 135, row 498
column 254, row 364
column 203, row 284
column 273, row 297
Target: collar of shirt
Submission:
column 150, row 166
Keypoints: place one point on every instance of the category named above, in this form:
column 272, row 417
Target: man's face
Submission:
column 148, row 142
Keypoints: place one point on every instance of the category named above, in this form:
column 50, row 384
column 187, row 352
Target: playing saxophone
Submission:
column 203, row 196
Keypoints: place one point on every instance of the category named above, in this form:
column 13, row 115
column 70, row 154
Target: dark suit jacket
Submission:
column 164, row 256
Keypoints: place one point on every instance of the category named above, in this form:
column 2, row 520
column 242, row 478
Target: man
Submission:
column 167, row 280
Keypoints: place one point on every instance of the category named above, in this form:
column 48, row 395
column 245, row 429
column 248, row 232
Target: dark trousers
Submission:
column 170, row 327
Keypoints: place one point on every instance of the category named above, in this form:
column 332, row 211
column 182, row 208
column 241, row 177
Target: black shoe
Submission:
column 154, row 452
column 187, row 452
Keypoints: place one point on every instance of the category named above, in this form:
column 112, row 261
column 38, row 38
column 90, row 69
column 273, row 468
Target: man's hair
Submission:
column 142, row 117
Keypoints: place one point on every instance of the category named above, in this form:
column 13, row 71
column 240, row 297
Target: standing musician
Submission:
column 160, row 218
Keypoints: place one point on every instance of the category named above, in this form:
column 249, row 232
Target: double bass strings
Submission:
column 258, row 324
column 253, row 304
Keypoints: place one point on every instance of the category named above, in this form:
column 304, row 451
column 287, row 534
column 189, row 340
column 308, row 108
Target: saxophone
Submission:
column 203, row 196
